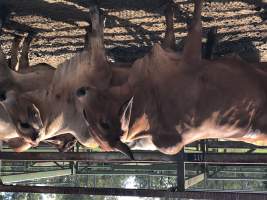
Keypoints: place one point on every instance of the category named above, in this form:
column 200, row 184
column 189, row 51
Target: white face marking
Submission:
column 126, row 116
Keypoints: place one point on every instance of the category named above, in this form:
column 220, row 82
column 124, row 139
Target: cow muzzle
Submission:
column 106, row 143
column 30, row 134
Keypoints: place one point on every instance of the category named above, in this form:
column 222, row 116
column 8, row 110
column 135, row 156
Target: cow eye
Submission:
column 81, row 91
column 2, row 96
column 104, row 125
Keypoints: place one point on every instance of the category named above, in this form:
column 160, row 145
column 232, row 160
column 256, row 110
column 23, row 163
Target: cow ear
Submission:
column 34, row 112
column 125, row 114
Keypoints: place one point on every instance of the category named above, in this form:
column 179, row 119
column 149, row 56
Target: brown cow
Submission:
column 21, row 65
column 167, row 99
column 21, row 118
column 64, row 92
column 15, row 111
column 176, row 99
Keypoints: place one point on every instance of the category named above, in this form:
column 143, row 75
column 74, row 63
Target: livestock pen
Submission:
column 204, row 170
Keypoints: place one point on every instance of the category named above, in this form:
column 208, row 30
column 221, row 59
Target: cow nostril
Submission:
column 25, row 125
column 34, row 136
column 104, row 125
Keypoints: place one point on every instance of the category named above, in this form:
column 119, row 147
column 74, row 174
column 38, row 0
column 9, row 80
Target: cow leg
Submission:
column 65, row 142
column 169, row 39
column 4, row 69
column 193, row 44
column 96, row 50
column 210, row 44
column 69, row 145
column 62, row 146
column 88, row 30
column 15, row 52
column 24, row 58
column 96, row 35
column 4, row 15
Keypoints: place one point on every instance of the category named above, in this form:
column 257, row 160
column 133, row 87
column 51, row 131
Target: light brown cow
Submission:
column 21, row 118
column 15, row 111
column 20, row 63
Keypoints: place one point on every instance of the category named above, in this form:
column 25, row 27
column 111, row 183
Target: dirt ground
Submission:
column 133, row 26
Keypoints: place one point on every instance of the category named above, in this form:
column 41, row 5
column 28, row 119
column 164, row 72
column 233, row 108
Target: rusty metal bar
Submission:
column 133, row 192
column 227, row 158
column 140, row 157
column 96, row 157
column 180, row 180
column 235, row 144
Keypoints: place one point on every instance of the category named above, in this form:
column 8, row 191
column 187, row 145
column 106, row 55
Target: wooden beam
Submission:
column 194, row 180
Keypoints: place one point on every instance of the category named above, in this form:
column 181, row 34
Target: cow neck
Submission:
column 25, row 81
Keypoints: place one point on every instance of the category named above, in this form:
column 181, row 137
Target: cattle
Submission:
column 27, row 120
column 20, row 119
column 71, row 80
column 19, row 84
column 21, row 65
column 173, row 100
column 165, row 99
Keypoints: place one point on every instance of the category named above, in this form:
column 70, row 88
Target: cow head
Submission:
column 103, row 118
column 94, row 102
column 24, row 115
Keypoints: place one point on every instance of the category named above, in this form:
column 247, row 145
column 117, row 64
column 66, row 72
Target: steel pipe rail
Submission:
column 133, row 192
column 140, row 157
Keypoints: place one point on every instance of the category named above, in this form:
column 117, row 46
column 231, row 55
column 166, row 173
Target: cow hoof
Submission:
column 68, row 146
column 32, row 33
column 173, row 189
